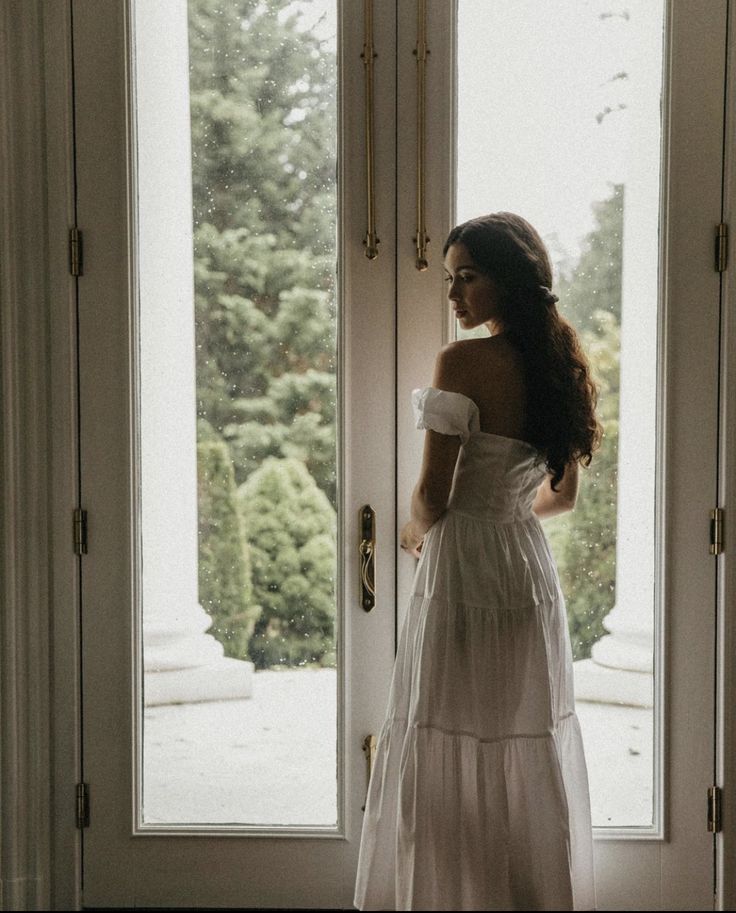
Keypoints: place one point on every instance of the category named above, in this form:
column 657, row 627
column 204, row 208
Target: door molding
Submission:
column 661, row 857
column 106, row 164
column 40, row 713
column 725, row 771
column 39, row 693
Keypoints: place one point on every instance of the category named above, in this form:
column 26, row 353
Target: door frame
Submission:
column 691, row 185
column 725, row 761
column 319, row 861
column 40, row 713
column 36, row 88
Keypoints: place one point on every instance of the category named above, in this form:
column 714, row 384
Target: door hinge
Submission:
column 75, row 251
column 714, row 809
column 80, row 531
column 721, row 247
column 716, row 531
column 82, row 805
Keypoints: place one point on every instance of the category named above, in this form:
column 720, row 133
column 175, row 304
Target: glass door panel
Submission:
column 567, row 131
column 537, row 91
column 237, row 413
column 238, row 327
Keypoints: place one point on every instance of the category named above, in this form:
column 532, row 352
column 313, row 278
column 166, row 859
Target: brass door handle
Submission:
column 371, row 240
column 421, row 51
column 369, row 749
column 367, row 550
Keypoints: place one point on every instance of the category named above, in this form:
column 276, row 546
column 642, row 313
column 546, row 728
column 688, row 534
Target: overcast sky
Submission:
column 533, row 76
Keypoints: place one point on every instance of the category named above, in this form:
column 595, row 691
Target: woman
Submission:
column 479, row 794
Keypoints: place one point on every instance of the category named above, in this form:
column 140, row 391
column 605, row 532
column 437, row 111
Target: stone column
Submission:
column 182, row 663
column 620, row 671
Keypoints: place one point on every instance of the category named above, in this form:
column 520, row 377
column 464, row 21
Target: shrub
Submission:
column 584, row 541
column 225, row 586
column 291, row 529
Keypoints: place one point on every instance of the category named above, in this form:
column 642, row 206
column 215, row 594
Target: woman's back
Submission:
column 496, row 476
column 490, row 371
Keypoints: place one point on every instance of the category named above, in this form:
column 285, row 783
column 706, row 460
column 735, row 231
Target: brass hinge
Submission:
column 716, row 531
column 80, row 531
column 82, row 805
column 714, row 809
column 721, row 247
column 75, row 252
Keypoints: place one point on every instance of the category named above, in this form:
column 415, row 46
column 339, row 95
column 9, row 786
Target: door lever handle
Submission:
column 367, row 549
column 369, row 749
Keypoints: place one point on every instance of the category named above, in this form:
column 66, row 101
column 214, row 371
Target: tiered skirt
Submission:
column 479, row 794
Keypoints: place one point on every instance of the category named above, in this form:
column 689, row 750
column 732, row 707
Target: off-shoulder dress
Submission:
column 479, row 797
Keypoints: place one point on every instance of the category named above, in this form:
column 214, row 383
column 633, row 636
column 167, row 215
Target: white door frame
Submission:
column 125, row 866
column 675, row 864
column 39, row 405
column 725, row 769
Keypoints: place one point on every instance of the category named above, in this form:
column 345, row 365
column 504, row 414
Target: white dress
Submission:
column 479, row 794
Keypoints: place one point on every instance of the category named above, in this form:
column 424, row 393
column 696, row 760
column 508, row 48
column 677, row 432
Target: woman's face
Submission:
column 473, row 294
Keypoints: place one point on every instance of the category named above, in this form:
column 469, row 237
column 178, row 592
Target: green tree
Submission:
column 584, row 541
column 592, row 288
column 263, row 106
column 263, row 120
column 225, row 588
column 291, row 528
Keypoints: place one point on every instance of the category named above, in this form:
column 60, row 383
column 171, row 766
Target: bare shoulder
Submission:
column 451, row 364
column 459, row 360
column 489, row 371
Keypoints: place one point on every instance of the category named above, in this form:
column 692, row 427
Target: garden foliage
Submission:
column 225, row 586
column 584, row 541
column 291, row 530
column 263, row 102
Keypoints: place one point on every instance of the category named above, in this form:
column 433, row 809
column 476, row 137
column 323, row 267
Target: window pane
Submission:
column 559, row 120
column 236, row 129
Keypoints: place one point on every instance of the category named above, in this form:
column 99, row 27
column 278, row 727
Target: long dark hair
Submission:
column 561, row 394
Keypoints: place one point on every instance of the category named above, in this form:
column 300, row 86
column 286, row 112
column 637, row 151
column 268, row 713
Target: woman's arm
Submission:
column 548, row 503
column 432, row 491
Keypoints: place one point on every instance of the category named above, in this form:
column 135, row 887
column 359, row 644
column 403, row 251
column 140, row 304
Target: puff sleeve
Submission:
column 445, row 412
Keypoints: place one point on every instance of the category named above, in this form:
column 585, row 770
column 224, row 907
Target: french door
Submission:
column 263, row 190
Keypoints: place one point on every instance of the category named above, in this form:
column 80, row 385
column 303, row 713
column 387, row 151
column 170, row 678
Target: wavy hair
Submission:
column 561, row 394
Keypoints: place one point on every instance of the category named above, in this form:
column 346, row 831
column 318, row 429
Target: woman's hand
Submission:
column 409, row 540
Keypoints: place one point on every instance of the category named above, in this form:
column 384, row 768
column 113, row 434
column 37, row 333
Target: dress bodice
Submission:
column 496, row 477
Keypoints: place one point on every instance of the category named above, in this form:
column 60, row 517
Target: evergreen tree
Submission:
column 592, row 288
column 263, row 103
column 584, row 541
column 225, row 588
column 291, row 527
